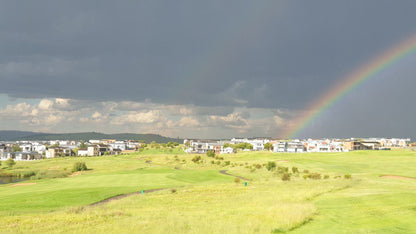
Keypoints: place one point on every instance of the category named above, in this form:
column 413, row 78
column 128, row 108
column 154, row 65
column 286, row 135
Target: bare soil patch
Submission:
column 75, row 174
column 281, row 161
column 224, row 172
column 397, row 177
column 22, row 184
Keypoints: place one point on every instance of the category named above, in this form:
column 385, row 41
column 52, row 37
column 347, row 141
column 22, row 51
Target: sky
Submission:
column 203, row 69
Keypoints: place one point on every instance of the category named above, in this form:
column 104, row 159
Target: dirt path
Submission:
column 22, row 184
column 397, row 177
column 224, row 172
column 125, row 195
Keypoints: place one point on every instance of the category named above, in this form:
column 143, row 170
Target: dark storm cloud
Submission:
column 277, row 54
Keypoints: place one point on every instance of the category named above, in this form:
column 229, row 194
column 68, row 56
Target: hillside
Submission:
column 22, row 136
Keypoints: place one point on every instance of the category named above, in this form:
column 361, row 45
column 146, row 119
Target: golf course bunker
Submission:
column 23, row 184
column 398, row 177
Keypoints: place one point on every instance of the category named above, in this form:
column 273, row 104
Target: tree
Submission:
column 16, row 148
column 268, row 146
column 79, row 166
column 210, row 153
column 83, row 145
column 10, row 163
column 226, row 145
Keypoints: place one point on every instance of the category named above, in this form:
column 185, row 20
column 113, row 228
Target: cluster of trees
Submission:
column 239, row 146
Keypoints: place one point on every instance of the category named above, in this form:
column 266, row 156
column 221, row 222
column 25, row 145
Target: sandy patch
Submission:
column 397, row 177
column 283, row 161
column 75, row 174
column 22, row 184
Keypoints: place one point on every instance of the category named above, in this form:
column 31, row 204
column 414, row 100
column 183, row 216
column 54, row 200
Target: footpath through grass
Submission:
column 206, row 201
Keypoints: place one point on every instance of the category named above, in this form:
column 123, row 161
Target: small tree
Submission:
column 211, row 153
column 83, row 145
column 16, row 148
column 10, row 163
column 79, row 166
column 268, row 146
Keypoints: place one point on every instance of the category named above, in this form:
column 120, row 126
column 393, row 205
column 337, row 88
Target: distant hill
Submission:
column 83, row 136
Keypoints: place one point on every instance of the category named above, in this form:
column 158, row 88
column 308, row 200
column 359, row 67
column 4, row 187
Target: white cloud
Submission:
column 153, row 116
column 45, row 104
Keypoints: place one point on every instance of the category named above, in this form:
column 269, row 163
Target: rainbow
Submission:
column 348, row 83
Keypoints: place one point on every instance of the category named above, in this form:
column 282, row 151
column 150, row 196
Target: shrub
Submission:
column 257, row 166
column 315, row 176
column 253, row 170
column 196, row 159
column 347, row 176
column 281, row 170
column 305, row 176
column 237, row 180
column 219, row 158
column 173, row 190
column 218, row 162
column 295, row 170
column 227, row 163
column 326, row 176
column 212, row 162
column 211, row 153
column 10, row 162
column 271, row 166
column 337, row 177
column 79, row 166
column 305, row 171
column 286, row 176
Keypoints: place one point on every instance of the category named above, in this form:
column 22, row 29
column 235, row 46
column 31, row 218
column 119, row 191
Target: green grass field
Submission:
column 201, row 200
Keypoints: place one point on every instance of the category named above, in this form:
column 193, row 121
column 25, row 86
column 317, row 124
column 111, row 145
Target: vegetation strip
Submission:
column 224, row 172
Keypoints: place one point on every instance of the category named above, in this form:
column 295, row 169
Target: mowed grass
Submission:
column 205, row 201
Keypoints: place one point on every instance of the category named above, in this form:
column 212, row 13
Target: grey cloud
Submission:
column 196, row 58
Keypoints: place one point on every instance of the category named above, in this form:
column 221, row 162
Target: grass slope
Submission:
column 206, row 201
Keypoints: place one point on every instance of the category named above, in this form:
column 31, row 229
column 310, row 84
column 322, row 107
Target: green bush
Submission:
column 271, row 166
column 305, row 177
column 326, row 176
column 79, row 166
column 211, row 153
column 286, row 176
column 196, row 159
column 281, row 170
column 295, row 170
column 347, row 176
column 315, row 176
column 227, row 163
column 219, row 158
column 257, row 166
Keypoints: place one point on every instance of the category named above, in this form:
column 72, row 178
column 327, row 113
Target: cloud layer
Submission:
column 204, row 67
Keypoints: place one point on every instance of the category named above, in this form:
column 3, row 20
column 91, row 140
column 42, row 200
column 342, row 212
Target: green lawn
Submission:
column 206, row 201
